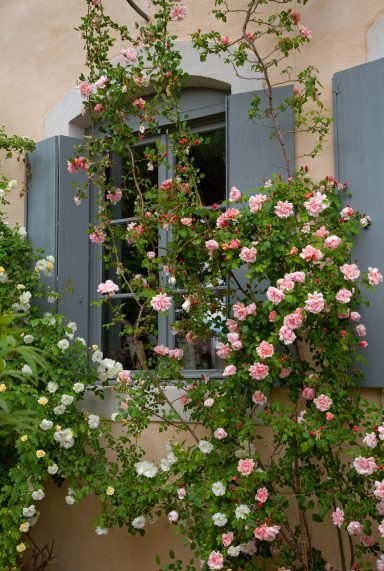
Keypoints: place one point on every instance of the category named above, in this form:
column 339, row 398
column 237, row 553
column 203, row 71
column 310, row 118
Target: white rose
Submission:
column 93, row 420
column 219, row 519
column 218, row 489
column 26, row 370
column 242, row 511
column 234, row 551
column 70, row 500
column 81, row 340
column 46, row 424
column 138, row 522
column 64, row 438
column 101, row 530
column 173, row 516
column 29, row 511
column 145, row 468
column 60, row 409
column 78, row 387
column 63, row 344
column 52, row 387
column 38, row 495
column 205, row 446
column 67, row 400
column 28, row 339
column 53, row 469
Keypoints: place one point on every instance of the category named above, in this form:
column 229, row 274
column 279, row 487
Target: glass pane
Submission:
column 119, row 340
column 149, row 177
column 209, row 157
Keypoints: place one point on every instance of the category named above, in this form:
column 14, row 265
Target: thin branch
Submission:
column 137, row 9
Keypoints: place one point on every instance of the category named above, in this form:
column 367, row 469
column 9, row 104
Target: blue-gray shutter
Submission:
column 359, row 143
column 252, row 156
column 57, row 225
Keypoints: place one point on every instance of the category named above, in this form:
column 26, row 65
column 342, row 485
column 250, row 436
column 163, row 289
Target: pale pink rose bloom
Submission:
column 114, row 195
column 259, row 398
column 347, row 212
column 97, row 236
column 275, row 295
column 233, row 337
column 322, row 232
column 381, row 432
column 173, row 516
column 354, row 528
column 77, row 200
column 305, row 32
column 125, row 377
column 256, row 202
column 380, row 507
column 314, row 302
column 227, row 538
column 224, row 40
column 364, row 466
column 365, row 221
column 374, row 276
column 293, row 320
column 211, row 246
column 285, row 284
column 381, row 528
column 379, row 490
column 209, row 402
column 308, row 393
column 141, row 80
column 367, row 540
column 258, row 371
column 237, row 345
column 284, row 209
column 245, row 467
column 161, row 302
column 370, row 440
column 285, row 372
column 240, row 311
column 161, row 350
column 316, row 204
column 361, row 330
column 272, row 315
column 98, row 108
column 186, row 221
column 329, row 416
column 85, row 89
column 297, row 277
column 261, row 495
column 184, row 400
column 311, row 254
column 286, row 335
column 223, row 351
column 355, row 316
column 380, row 563
column 234, row 194
column 351, row 272
column 101, row 82
column 220, row 434
column 176, row 354
column 190, row 338
column 251, row 309
column 323, row 403
column 248, row 255
column 151, row 255
column 229, row 371
column 234, row 244
column 181, row 493
column 108, row 288
column 266, row 533
column 139, row 103
column 306, row 228
column 221, row 222
column 215, row 560
column 130, row 54
column 338, row 517
column 231, row 213
column 344, row 295
column 332, row 242
column 232, row 325
column 265, row 350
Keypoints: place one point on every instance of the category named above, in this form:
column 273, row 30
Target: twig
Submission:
column 138, row 10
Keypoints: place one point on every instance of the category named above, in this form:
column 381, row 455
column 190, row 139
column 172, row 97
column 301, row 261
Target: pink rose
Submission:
column 370, row 440
column 379, row 489
column 151, row 255
column 380, row 507
column 275, row 295
column 232, row 325
column 251, row 309
column 354, row 528
column 368, row 541
column 234, row 194
column 361, row 330
column 329, row 416
column 130, row 54
column 176, row 354
column 125, row 377
column 293, row 320
column 323, row 403
column 181, row 493
column 284, row 209
column 227, row 538
column 240, row 311
column 215, row 560
column 108, row 288
column 256, row 202
column 211, row 246
column 305, row 32
column 297, row 277
column 220, row 434
column 190, row 338
column 332, row 242
column 265, row 350
column 316, row 204
column 209, row 402
column 355, row 316
column 114, row 195
column 374, row 276
column 245, row 467
column 173, row 516
column 85, row 89
column 380, row 563
column 186, row 221
column 259, row 398
column 258, row 371
column 344, row 295
column 311, row 254
column 314, row 302
column 261, row 495
column 351, row 272
column 322, row 232
column 266, row 533
column 272, row 315
column 161, row 302
column 98, row 236
column 338, row 517
column 224, row 40
column 286, row 335
column 248, row 255
column 161, row 350
column 308, row 393
column 285, row 284
column 347, row 213
column 101, row 82
column 364, row 466
column 139, row 103
column 223, row 351
column 285, row 372
column 229, row 371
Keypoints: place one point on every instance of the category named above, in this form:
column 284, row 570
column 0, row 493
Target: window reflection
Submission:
column 209, row 158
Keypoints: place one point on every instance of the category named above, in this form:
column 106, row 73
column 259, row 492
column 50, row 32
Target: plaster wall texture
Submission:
column 41, row 58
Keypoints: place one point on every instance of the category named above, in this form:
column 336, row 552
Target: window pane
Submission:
column 209, row 157
column 119, row 340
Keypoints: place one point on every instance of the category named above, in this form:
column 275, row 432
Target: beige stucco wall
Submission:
column 41, row 58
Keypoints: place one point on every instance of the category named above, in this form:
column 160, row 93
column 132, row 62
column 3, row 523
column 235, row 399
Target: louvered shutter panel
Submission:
column 59, row 227
column 359, row 143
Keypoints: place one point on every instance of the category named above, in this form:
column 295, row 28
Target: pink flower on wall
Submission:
column 108, row 288
column 161, row 302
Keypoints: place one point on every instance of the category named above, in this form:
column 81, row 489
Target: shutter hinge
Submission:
column 336, row 89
